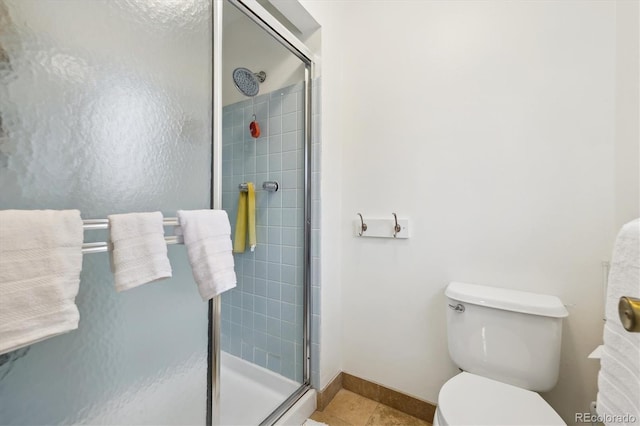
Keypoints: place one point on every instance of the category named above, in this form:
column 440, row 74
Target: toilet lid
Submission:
column 468, row 399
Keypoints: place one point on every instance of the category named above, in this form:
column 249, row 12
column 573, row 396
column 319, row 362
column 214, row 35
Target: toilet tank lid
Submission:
column 507, row 299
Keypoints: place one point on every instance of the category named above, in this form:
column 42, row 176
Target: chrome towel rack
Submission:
column 105, row 246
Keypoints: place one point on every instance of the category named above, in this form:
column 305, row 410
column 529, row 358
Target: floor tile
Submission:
column 352, row 408
column 387, row 416
column 331, row 420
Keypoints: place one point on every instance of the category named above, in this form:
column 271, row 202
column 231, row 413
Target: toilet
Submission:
column 507, row 345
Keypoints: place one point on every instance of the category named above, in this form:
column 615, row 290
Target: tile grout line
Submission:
column 372, row 411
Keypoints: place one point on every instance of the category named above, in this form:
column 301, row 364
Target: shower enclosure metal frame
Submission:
column 261, row 17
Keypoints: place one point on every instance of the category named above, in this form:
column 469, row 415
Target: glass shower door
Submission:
column 264, row 86
column 105, row 107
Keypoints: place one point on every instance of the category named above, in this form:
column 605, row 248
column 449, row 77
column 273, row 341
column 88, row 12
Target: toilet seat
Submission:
column 469, row 399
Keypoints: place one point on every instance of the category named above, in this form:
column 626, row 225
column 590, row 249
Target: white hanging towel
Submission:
column 40, row 264
column 139, row 250
column 619, row 378
column 207, row 237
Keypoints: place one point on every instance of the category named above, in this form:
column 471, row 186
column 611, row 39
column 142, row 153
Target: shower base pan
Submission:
column 249, row 393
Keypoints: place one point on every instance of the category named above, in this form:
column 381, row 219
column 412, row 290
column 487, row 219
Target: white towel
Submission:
column 619, row 378
column 40, row 263
column 207, row 236
column 139, row 250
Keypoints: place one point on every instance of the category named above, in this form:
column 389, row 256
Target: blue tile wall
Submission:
column 262, row 318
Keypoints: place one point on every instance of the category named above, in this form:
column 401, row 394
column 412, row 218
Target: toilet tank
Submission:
column 506, row 335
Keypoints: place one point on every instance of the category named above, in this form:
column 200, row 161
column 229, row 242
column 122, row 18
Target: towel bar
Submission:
column 92, row 224
column 104, row 246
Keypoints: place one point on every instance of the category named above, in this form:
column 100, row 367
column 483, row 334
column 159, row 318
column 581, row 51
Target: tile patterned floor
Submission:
column 350, row 409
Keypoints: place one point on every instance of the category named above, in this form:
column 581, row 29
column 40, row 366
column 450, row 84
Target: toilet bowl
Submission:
column 469, row 399
column 507, row 345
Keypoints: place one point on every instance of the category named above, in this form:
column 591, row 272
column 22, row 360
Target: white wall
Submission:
column 331, row 116
column 491, row 126
column 627, row 154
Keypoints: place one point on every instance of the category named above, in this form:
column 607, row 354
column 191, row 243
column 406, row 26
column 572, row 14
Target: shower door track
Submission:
column 261, row 17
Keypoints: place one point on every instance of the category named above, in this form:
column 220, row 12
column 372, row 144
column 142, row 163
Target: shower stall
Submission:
column 266, row 143
column 151, row 118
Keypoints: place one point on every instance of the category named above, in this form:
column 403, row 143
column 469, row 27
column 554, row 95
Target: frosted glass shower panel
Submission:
column 105, row 107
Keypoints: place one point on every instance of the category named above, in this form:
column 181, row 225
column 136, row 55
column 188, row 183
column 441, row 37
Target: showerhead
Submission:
column 247, row 82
